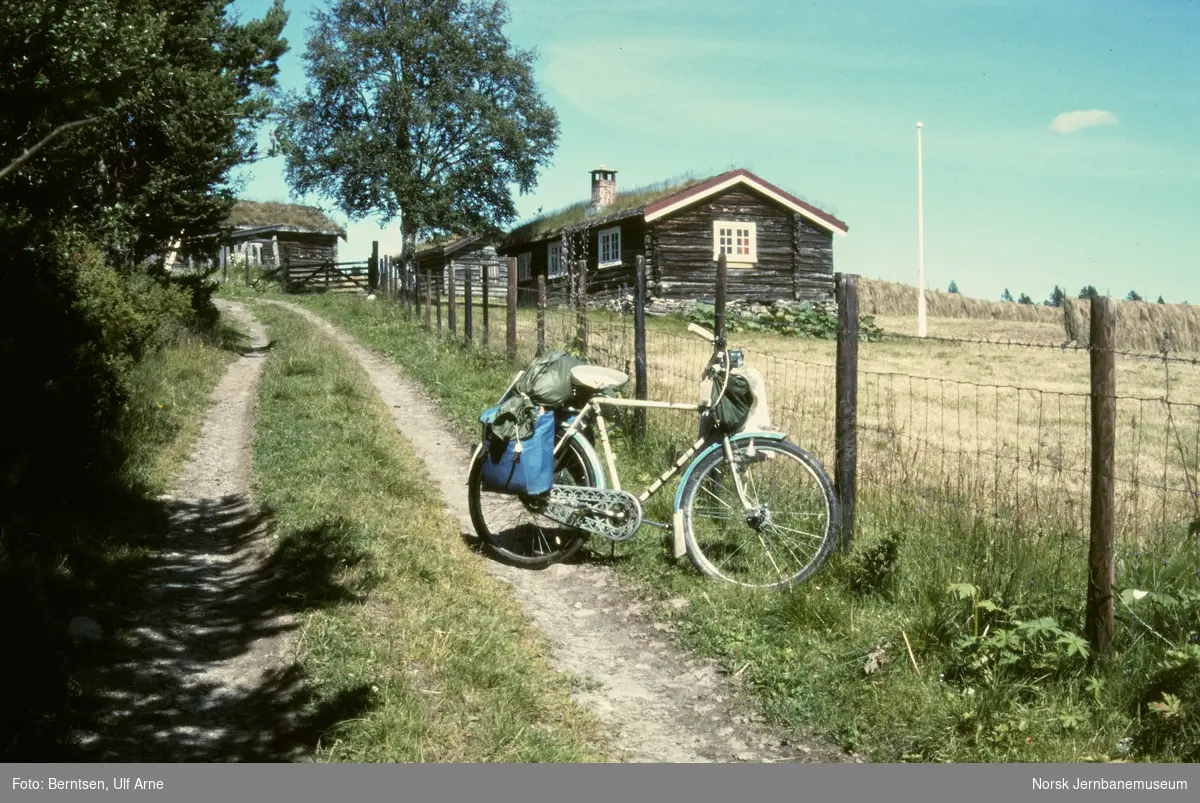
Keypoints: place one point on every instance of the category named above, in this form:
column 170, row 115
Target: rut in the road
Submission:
column 207, row 674
column 660, row 704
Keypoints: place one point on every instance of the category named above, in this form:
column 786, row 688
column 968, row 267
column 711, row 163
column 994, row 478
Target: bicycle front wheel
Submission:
column 781, row 537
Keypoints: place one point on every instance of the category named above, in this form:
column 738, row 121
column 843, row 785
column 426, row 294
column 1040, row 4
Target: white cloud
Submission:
column 1070, row 122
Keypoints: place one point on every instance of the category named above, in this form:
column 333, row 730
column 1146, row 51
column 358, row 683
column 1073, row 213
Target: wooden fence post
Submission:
column 511, row 323
column 437, row 298
column 373, row 268
column 427, row 302
column 414, row 288
column 468, row 326
column 846, row 448
column 541, row 315
column 451, row 297
column 719, row 301
column 639, row 348
column 483, row 280
column 581, row 309
column 1101, row 572
column 283, row 274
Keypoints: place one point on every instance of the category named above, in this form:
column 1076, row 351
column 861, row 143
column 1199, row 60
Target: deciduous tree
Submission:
column 424, row 112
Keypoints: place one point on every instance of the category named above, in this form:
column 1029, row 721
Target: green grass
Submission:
column 171, row 389
column 450, row 668
column 987, row 685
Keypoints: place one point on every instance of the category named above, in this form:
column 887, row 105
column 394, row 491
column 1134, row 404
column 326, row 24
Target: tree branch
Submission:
column 29, row 152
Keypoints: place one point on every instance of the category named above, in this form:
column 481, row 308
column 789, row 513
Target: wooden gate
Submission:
column 327, row 277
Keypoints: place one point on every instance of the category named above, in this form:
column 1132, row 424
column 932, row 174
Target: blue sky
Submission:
column 1060, row 140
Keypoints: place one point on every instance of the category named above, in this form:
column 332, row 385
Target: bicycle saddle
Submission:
column 598, row 378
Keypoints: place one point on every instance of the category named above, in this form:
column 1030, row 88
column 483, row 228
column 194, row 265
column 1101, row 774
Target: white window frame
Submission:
column 614, row 250
column 555, row 267
column 738, row 235
column 525, row 267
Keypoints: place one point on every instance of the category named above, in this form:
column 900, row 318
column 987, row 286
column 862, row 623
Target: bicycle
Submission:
column 726, row 516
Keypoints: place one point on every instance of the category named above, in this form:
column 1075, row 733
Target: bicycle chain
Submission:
column 611, row 514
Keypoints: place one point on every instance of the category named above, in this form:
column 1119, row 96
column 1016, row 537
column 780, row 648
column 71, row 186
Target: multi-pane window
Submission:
column 554, row 263
column 525, row 267
column 610, row 247
column 735, row 240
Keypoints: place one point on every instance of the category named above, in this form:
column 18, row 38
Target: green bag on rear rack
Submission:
column 547, row 380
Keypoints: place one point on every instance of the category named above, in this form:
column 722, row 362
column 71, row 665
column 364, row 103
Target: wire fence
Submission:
column 957, row 435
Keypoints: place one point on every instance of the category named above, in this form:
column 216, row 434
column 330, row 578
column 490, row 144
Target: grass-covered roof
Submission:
column 257, row 214
column 628, row 202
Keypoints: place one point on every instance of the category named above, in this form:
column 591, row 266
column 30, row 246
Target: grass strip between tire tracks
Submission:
column 451, row 668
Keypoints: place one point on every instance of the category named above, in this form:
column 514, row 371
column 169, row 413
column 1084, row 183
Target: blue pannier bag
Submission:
column 518, row 466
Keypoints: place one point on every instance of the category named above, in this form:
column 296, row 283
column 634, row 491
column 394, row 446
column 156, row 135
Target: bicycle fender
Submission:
column 593, row 459
column 741, row 436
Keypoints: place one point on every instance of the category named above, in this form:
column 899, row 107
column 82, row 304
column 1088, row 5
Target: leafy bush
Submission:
column 72, row 329
column 802, row 319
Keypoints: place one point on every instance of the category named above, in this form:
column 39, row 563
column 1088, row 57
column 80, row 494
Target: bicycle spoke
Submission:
column 793, row 530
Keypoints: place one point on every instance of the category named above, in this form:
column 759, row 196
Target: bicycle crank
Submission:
column 615, row 515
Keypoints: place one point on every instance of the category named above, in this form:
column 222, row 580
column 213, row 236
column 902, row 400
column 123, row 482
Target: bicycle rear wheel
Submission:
column 512, row 530
column 784, row 538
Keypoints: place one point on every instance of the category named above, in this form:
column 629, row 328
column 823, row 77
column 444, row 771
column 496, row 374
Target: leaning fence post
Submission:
column 541, row 315
column 468, row 327
column 511, row 321
column 1101, row 573
column 437, row 297
column 846, row 448
column 639, row 347
column 581, row 309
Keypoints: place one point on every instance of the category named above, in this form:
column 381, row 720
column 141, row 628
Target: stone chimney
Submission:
column 604, row 188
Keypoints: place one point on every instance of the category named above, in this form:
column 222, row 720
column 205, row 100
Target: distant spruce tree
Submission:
column 1024, row 299
column 953, row 287
column 1088, row 292
column 1057, row 297
column 1007, row 296
column 1133, row 296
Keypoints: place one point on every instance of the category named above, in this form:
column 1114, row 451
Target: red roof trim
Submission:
column 704, row 188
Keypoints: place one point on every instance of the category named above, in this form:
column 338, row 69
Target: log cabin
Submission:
column 776, row 245
column 473, row 254
column 269, row 234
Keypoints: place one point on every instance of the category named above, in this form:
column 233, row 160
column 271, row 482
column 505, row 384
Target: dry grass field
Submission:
column 992, row 431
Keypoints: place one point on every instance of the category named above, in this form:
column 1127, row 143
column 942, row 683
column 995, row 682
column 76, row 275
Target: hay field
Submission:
column 999, row 432
column 996, row 432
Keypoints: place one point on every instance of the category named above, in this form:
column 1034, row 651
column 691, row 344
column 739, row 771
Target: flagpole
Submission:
column 920, row 241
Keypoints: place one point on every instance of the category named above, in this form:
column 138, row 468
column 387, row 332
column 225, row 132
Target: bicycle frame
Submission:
column 689, row 458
